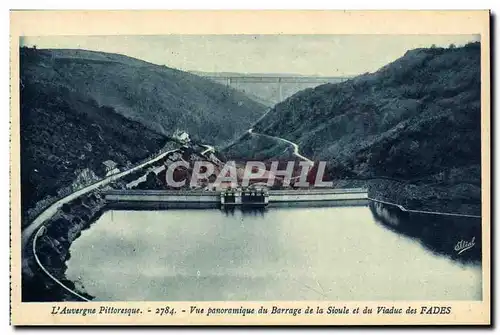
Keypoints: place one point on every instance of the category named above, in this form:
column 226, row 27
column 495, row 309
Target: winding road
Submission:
column 52, row 209
column 295, row 146
column 208, row 148
column 401, row 207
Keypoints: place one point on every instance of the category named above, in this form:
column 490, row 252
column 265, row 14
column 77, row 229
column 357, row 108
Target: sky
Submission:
column 322, row 55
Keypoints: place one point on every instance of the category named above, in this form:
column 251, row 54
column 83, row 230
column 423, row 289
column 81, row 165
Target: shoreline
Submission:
column 67, row 223
column 55, row 245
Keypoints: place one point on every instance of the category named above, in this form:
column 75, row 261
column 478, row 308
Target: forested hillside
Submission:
column 415, row 120
column 81, row 108
column 159, row 97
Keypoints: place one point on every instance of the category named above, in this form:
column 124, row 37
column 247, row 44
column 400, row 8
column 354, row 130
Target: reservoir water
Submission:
column 329, row 253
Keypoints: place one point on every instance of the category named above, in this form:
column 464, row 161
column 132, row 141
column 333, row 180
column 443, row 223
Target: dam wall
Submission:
column 152, row 199
column 166, row 196
column 317, row 195
column 208, row 199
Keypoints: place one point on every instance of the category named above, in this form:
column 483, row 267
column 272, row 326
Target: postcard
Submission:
column 250, row 168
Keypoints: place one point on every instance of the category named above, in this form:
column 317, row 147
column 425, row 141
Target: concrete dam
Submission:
column 154, row 199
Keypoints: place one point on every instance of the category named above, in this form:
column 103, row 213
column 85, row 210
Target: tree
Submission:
column 65, row 208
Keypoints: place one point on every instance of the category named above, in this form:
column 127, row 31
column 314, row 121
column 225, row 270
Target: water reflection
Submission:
column 443, row 235
column 321, row 253
column 245, row 210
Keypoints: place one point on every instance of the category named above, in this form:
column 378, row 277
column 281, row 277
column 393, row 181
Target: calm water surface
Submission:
column 335, row 253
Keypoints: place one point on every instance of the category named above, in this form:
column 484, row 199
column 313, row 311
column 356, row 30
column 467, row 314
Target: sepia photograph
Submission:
column 251, row 168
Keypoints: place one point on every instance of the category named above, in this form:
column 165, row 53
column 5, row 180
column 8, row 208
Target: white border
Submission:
column 191, row 4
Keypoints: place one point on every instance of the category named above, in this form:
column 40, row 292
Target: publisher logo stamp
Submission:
column 463, row 246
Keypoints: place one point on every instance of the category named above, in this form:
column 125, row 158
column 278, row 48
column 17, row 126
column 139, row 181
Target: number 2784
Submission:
column 165, row 311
